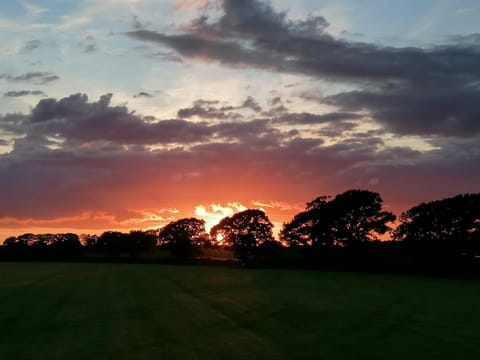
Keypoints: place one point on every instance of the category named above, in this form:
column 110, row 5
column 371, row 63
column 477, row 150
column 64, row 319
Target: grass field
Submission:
column 115, row 311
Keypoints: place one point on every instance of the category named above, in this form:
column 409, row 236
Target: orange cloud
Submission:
column 88, row 221
column 213, row 213
column 187, row 4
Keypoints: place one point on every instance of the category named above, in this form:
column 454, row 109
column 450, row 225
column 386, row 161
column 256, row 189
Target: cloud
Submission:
column 73, row 156
column 410, row 90
column 251, row 103
column 281, row 206
column 206, row 109
column 19, row 93
column 143, row 94
column 436, row 109
column 75, row 121
column 312, row 119
column 72, row 180
column 32, row 45
column 35, row 77
column 89, row 45
column 166, row 56
column 185, row 4
column 32, row 9
column 90, row 48
column 213, row 213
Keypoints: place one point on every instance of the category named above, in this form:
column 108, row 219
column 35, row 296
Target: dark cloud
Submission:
column 143, row 94
column 32, row 45
column 246, row 130
column 89, row 48
column 74, row 121
column 428, row 111
column 166, row 56
column 196, row 46
column 35, row 77
column 411, row 90
column 19, row 93
column 313, row 119
column 89, row 45
column 251, row 103
column 208, row 109
column 335, row 130
column 251, row 18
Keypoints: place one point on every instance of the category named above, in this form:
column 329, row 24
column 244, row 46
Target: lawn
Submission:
column 121, row 311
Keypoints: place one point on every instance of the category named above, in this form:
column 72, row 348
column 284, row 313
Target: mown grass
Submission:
column 121, row 311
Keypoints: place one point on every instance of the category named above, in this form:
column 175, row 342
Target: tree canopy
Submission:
column 244, row 231
column 441, row 235
column 116, row 243
column 182, row 235
column 351, row 218
column 453, row 221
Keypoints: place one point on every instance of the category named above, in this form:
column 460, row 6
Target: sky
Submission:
column 128, row 114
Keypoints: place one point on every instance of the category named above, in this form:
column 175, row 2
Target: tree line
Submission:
column 343, row 231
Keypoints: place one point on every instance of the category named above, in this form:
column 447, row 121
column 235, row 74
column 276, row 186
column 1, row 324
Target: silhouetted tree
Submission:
column 10, row 241
column 40, row 246
column 182, row 235
column 141, row 241
column 350, row 219
column 16, row 245
column 448, row 224
column 26, row 239
column 111, row 242
column 89, row 240
column 115, row 243
column 244, row 231
column 309, row 227
column 64, row 245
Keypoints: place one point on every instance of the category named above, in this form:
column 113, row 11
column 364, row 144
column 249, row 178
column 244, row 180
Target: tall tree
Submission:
column 66, row 244
column 244, row 231
column 452, row 223
column 112, row 243
column 358, row 217
column 351, row 218
column 182, row 235
column 307, row 227
column 141, row 241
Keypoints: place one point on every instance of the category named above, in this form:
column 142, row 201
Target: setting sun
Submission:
column 219, row 239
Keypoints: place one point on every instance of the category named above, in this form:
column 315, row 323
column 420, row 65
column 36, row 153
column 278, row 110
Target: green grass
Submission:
column 115, row 311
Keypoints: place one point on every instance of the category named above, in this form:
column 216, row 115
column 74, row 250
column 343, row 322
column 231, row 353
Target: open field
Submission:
column 121, row 311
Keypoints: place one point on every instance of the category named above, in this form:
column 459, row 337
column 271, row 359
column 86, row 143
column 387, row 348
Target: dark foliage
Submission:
column 182, row 236
column 350, row 219
column 244, row 232
column 36, row 246
column 116, row 243
column 448, row 225
column 340, row 233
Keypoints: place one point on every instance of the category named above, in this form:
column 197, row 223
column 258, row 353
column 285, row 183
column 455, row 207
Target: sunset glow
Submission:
column 219, row 239
column 120, row 115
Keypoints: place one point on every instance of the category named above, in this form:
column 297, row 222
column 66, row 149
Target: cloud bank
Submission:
column 409, row 90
